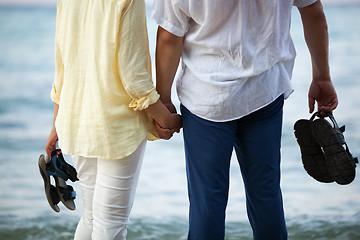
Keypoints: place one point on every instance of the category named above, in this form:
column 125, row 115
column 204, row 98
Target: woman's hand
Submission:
column 51, row 142
column 164, row 133
column 167, row 133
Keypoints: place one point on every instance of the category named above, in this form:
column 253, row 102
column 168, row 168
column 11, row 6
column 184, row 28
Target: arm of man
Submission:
column 316, row 36
column 167, row 57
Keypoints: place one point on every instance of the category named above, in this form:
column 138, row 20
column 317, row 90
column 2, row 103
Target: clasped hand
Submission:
column 175, row 122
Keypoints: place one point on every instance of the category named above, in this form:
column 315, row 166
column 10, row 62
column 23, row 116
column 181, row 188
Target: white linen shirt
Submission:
column 237, row 56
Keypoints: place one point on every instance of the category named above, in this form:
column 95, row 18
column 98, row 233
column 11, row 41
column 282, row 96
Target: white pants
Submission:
column 108, row 188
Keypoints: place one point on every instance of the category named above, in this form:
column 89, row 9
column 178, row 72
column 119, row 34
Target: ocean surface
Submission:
column 314, row 211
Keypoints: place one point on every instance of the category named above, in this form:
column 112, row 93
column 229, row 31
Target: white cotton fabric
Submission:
column 237, row 56
column 108, row 189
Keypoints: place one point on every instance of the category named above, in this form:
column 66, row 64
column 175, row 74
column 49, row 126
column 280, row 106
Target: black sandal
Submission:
column 322, row 152
column 65, row 193
column 340, row 163
column 50, row 190
column 59, row 167
column 312, row 156
column 61, row 171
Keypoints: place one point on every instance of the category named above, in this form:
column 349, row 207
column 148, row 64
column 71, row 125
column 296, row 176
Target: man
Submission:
column 236, row 64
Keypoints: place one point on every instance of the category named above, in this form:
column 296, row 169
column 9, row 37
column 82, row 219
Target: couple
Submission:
column 236, row 59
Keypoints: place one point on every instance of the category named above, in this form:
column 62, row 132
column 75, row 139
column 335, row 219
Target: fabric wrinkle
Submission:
column 102, row 65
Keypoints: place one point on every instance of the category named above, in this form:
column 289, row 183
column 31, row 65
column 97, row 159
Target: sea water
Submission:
column 313, row 210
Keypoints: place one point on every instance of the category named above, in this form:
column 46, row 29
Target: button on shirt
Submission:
column 237, row 56
column 102, row 77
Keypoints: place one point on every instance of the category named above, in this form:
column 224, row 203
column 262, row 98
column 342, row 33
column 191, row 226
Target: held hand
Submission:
column 177, row 118
column 323, row 92
column 177, row 122
column 169, row 105
column 51, row 142
column 164, row 133
column 166, row 120
column 167, row 133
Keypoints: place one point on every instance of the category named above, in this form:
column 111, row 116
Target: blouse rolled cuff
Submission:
column 144, row 102
column 55, row 96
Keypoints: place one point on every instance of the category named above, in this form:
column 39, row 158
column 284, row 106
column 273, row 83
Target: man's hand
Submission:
column 323, row 92
column 165, row 133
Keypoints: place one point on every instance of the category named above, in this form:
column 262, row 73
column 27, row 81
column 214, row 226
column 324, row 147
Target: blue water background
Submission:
column 313, row 210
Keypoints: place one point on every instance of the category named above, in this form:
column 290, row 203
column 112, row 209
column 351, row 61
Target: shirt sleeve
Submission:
column 172, row 15
column 133, row 57
column 59, row 75
column 303, row 3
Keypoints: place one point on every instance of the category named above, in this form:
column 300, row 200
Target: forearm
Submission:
column 316, row 34
column 167, row 57
column 56, row 109
column 53, row 138
column 317, row 40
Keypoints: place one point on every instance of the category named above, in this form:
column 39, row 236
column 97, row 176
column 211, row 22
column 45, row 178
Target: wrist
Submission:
column 321, row 73
column 165, row 99
column 321, row 76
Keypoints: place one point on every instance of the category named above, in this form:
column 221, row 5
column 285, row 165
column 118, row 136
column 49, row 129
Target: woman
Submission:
column 104, row 106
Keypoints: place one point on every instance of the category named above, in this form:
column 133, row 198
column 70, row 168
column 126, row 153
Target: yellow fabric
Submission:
column 102, row 77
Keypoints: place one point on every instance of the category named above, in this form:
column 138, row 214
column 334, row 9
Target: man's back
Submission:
column 237, row 55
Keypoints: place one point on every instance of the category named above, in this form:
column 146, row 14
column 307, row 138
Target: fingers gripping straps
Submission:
column 59, row 167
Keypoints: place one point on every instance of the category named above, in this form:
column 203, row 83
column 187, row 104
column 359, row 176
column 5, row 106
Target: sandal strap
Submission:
column 59, row 167
column 338, row 130
column 54, row 197
column 68, row 192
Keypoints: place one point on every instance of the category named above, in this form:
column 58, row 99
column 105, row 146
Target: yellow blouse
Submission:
column 102, row 77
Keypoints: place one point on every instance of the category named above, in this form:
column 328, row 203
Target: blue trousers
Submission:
column 256, row 139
